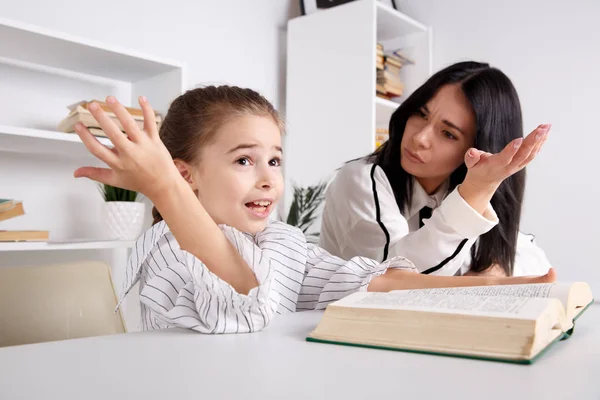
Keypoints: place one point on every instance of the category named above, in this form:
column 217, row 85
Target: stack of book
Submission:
column 381, row 136
column 13, row 208
column 389, row 83
column 380, row 57
column 79, row 112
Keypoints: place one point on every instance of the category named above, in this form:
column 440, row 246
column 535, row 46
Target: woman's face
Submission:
column 437, row 137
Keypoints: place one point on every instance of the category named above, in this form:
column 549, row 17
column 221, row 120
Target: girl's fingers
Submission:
column 102, row 175
column 131, row 127
column 118, row 138
column 97, row 149
column 149, row 118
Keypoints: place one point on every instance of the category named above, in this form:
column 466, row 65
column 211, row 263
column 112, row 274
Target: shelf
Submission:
column 76, row 245
column 392, row 23
column 383, row 111
column 38, row 141
column 40, row 46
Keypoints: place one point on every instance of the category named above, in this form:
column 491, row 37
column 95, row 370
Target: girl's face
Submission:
column 437, row 137
column 238, row 178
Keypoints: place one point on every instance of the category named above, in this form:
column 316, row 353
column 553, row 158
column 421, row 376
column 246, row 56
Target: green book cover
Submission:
column 473, row 357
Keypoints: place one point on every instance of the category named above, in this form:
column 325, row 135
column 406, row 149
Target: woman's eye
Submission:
column 449, row 135
column 243, row 161
column 276, row 162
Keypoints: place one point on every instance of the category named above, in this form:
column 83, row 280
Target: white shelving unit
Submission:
column 331, row 108
column 49, row 70
column 43, row 72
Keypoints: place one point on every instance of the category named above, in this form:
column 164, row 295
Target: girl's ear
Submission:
column 186, row 172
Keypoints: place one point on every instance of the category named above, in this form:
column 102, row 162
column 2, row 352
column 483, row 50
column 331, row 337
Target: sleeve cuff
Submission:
column 464, row 219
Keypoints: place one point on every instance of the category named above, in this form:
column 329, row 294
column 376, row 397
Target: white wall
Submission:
column 551, row 51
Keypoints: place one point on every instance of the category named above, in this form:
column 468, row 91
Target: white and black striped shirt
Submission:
column 176, row 288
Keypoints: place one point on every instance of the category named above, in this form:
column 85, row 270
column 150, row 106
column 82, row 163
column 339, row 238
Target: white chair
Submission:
column 57, row 302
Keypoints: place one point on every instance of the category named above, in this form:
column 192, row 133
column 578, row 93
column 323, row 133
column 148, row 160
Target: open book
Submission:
column 513, row 323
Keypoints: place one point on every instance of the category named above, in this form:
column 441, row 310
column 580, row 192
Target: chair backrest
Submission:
column 57, row 302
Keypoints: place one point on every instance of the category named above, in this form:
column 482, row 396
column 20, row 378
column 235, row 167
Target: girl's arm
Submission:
column 139, row 161
column 177, row 289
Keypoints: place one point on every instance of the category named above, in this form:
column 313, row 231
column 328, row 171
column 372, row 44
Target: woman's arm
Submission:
column 367, row 222
column 487, row 171
column 330, row 278
column 140, row 162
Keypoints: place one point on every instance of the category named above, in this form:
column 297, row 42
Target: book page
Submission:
column 497, row 306
column 559, row 291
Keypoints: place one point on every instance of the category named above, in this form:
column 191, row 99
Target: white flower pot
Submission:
column 124, row 219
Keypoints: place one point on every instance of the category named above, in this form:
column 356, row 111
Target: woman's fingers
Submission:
column 472, row 157
column 149, row 118
column 530, row 144
column 534, row 152
column 97, row 149
column 129, row 124
column 102, row 175
column 507, row 154
column 118, row 138
column 537, row 148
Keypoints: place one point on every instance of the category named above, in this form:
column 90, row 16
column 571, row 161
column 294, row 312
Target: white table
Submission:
column 278, row 363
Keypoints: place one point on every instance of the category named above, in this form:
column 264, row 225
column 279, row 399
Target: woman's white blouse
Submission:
column 361, row 217
column 177, row 289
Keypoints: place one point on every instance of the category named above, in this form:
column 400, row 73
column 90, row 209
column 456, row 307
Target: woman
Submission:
column 429, row 195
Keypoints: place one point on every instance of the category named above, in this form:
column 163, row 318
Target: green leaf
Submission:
column 112, row 193
column 305, row 207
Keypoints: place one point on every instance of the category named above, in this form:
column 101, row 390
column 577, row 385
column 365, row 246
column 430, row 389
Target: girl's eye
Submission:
column 276, row 162
column 422, row 114
column 243, row 161
column 449, row 135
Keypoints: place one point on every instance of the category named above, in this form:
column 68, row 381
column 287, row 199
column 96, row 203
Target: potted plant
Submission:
column 124, row 215
column 305, row 209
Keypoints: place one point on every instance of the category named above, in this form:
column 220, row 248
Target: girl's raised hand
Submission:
column 139, row 160
column 487, row 170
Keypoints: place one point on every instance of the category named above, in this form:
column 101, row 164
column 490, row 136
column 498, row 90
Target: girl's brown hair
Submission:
column 194, row 117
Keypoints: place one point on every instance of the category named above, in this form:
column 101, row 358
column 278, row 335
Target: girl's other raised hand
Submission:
column 139, row 160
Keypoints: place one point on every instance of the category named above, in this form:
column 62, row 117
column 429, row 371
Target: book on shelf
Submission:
column 136, row 112
column 79, row 112
column 24, row 236
column 403, row 58
column 388, row 67
column 512, row 323
column 10, row 208
column 381, row 136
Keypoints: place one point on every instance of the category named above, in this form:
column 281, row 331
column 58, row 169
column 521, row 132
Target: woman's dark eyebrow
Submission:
column 445, row 121
column 451, row 125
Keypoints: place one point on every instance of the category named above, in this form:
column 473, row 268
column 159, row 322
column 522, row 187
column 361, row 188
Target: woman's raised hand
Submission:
column 487, row 170
column 139, row 160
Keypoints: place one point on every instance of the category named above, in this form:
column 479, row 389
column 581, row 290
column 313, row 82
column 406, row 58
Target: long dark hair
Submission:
column 498, row 116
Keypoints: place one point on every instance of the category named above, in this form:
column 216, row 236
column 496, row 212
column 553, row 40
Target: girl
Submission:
column 381, row 206
column 212, row 261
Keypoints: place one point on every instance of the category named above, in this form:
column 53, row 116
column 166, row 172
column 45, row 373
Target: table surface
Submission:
column 278, row 363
